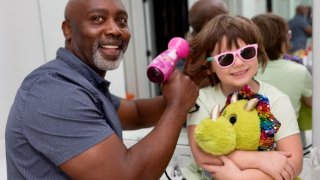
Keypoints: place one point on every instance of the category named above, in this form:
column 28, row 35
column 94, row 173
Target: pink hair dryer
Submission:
column 160, row 69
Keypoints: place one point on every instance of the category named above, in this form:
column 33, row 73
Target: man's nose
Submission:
column 112, row 28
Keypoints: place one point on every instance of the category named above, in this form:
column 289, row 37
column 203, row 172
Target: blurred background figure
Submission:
column 309, row 15
column 301, row 29
column 290, row 77
column 202, row 11
column 199, row 14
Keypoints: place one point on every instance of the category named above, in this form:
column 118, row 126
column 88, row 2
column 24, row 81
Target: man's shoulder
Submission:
column 53, row 70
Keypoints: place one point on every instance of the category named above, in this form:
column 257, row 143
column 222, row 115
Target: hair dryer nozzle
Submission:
column 162, row 66
column 180, row 45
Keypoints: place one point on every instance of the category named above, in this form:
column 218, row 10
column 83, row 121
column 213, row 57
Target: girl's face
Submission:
column 236, row 74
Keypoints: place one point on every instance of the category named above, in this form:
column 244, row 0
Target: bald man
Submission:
column 300, row 29
column 202, row 11
column 64, row 122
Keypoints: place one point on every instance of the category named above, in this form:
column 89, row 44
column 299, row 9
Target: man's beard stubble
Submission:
column 105, row 64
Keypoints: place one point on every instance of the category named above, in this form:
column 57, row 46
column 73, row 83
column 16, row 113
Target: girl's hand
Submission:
column 276, row 164
column 227, row 171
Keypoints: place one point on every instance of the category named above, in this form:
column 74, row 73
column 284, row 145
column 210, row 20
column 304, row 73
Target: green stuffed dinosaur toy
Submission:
column 245, row 123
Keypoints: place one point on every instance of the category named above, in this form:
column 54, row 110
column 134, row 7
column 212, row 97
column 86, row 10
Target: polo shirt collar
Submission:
column 76, row 63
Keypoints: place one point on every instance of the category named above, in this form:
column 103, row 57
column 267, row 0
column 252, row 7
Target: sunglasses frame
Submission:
column 234, row 53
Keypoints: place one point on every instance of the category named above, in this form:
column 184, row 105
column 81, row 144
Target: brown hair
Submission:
column 275, row 36
column 233, row 28
column 204, row 10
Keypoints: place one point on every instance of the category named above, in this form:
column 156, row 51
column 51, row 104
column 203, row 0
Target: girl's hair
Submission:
column 211, row 35
column 275, row 34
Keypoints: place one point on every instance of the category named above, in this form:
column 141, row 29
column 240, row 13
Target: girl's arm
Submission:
column 254, row 163
column 286, row 160
column 293, row 145
column 229, row 170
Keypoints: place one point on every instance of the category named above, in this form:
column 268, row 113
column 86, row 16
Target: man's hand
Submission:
column 180, row 91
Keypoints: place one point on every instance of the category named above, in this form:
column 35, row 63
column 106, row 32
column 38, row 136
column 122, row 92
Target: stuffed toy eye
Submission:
column 233, row 119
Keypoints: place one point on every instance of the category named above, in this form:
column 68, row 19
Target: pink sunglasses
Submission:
column 227, row 59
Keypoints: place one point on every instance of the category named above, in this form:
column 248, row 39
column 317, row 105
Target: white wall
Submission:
column 316, row 75
column 21, row 49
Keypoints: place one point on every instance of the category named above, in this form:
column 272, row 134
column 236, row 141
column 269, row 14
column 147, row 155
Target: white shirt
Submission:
column 280, row 105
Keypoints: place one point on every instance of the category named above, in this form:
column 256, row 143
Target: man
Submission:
column 300, row 29
column 65, row 124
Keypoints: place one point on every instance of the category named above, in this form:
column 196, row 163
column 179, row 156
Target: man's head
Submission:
column 203, row 10
column 302, row 10
column 97, row 32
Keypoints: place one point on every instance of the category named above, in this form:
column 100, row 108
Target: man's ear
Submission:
column 66, row 28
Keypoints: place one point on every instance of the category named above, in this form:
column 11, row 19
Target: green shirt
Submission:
column 289, row 77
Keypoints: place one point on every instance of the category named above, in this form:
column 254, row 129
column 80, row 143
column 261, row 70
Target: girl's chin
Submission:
column 240, row 84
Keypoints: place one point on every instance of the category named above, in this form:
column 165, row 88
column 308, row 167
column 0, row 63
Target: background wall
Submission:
column 21, row 49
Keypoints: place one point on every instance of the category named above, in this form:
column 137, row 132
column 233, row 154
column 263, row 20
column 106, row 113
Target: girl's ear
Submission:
column 209, row 67
column 66, row 28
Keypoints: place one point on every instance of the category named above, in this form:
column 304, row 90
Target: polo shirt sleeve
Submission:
column 115, row 101
column 304, row 23
column 62, row 118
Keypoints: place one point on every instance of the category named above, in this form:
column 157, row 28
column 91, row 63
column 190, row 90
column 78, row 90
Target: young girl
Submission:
column 231, row 48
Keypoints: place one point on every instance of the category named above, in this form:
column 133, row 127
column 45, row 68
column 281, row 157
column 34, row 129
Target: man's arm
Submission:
column 308, row 31
column 150, row 156
column 141, row 113
column 307, row 101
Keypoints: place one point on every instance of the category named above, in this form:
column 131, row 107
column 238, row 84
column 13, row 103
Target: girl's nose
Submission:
column 238, row 60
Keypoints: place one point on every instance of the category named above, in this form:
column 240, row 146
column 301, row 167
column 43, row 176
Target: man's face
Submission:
column 99, row 32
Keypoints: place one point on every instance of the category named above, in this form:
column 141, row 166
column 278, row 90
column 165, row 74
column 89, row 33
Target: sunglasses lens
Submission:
column 225, row 59
column 248, row 53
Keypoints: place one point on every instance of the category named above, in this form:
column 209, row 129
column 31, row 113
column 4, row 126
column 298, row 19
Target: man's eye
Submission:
column 98, row 19
column 122, row 20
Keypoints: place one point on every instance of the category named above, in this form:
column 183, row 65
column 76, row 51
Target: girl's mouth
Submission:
column 239, row 73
